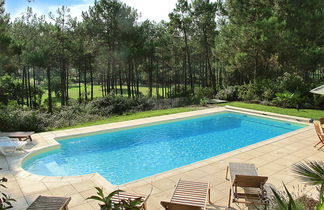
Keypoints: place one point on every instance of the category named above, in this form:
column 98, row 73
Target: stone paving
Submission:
column 272, row 157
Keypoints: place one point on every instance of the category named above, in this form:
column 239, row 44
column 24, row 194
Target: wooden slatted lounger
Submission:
column 189, row 195
column 245, row 176
column 21, row 135
column 319, row 134
column 50, row 203
column 117, row 198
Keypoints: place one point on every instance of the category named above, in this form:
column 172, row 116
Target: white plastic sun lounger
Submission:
column 5, row 138
column 11, row 146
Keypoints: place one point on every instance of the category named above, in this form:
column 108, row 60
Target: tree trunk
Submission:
column 185, row 74
column 208, row 65
column 112, row 75
column 91, row 77
column 120, row 81
column 255, row 67
column 23, row 87
column 137, row 80
column 129, row 79
column 103, row 83
column 151, row 76
column 49, row 90
column 63, row 77
column 34, row 88
column 189, row 61
column 29, row 88
column 162, row 78
column 133, row 78
column 85, row 81
column 157, row 78
column 79, row 81
column 67, row 83
column 108, row 77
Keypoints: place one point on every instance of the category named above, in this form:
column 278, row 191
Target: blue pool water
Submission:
column 127, row 155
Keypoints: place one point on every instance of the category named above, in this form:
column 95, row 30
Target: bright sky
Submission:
column 156, row 10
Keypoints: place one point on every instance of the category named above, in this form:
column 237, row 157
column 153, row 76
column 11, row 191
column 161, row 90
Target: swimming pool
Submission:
column 130, row 154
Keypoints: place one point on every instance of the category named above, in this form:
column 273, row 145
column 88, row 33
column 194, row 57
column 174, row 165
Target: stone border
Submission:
column 17, row 161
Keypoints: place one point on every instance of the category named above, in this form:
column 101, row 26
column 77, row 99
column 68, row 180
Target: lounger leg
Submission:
column 317, row 143
column 226, row 173
column 229, row 198
column 209, row 195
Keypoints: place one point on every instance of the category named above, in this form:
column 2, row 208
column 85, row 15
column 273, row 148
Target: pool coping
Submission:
column 15, row 162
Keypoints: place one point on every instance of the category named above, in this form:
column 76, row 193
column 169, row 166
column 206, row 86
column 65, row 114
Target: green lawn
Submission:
column 133, row 116
column 307, row 113
column 74, row 92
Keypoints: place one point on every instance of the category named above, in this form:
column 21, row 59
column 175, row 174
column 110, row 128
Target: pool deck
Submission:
column 272, row 157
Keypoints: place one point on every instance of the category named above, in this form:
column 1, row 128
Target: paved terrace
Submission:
column 273, row 158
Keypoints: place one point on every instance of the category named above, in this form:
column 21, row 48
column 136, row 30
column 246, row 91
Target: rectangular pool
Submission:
column 130, row 154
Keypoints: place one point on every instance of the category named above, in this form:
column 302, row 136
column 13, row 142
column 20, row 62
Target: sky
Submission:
column 155, row 10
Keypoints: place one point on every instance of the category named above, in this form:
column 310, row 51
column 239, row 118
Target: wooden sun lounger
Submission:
column 50, row 203
column 189, row 195
column 117, row 198
column 21, row 135
column 319, row 134
column 245, row 176
column 241, row 169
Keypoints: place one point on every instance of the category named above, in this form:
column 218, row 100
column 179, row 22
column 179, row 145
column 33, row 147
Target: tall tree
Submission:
column 63, row 27
column 181, row 20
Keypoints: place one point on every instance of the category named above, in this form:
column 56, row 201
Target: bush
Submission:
column 266, row 103
column 266, row 89
column 288, row 100
column 246, row 92
column 229, row 93
column 10, row 89
column 113, row 104
column 291, row 83
column 268, row 94
column 319, row 101
column 13, row 119
column 5, row 200
column 285, row 200
column 71, row 115
column 205, row 92
column 203, row 101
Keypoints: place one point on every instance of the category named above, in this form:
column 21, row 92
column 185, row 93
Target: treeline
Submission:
column 211, row 45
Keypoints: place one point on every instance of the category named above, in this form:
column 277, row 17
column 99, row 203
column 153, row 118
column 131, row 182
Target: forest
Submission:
column 262, row 51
